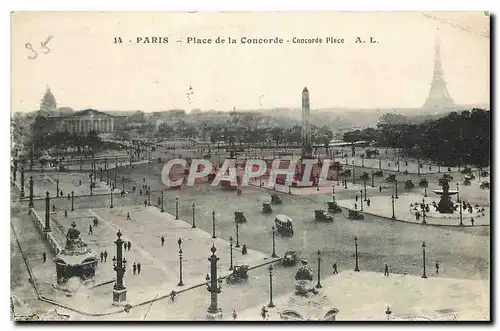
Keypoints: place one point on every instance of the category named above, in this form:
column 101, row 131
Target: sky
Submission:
column 85, row 69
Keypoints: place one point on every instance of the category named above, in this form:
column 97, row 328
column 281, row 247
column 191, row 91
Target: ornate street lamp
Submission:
column 396, row 186
column 423, row 211
column 177, row 208
column 318, row 285
column 119, row 290
column 274, row 242
column 356, row 253
column 72, row 201
column 111, row 195
column 47, row 213
column 213, row 224
column 458, row 193
column 271, row 303
column 194, row 219
column 392, row 201
column 230, row 253
column 364, row 184
column 373, row 181
column 31, row 193
column 213, row 287
column 22, row 183
column 237, row 235
column 423, row 259
column 149, row 195
column 460, row 208
column 180, row 267
column 361, row 200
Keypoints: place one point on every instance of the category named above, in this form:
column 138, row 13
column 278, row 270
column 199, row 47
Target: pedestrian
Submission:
column 386, row 271
column 145, row 202
column 134, row 268
column 472, row 221
column 244, row 250
column 80, row 182
column 162, row 241
column 437, row 267
column 90, row 229
column 234, row 315
column 44, row 257
column 129, row 245
column 54, row 207
column 65, row 213
column 140, row 192
column 263, row 312
column 368, row 202
column 380, row 188
column 335, row 271
column 102, row 256
column 69, row 196
column 138, row 268
column 128, row 216
column 62, row 194
column 355, row 205
column 357, row 198
column 105, row 255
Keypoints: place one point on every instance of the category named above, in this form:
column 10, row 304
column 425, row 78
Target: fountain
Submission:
column 75, row 260
column 445, row 205
column 307, row 302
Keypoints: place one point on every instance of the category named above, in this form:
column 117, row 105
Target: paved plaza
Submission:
column 459, row 250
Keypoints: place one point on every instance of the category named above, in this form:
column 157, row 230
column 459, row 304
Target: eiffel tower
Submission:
column 439, row 98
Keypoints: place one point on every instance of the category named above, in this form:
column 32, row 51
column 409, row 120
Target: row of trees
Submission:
column 458, row 138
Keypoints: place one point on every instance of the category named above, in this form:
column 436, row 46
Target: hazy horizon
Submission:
column 86, row 70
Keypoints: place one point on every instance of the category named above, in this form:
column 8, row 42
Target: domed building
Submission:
column 48, row 103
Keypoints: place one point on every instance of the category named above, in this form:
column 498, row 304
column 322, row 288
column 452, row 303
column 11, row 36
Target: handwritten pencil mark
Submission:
column 43, row 44
column 29, row 47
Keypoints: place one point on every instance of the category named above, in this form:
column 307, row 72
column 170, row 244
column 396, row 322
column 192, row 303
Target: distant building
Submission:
column 75, row 122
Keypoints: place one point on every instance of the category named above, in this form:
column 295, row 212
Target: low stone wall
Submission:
column 55, row 246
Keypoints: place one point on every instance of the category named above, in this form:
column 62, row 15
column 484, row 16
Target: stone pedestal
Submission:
column 119, row 296
column 215, row 316
column 315, row 307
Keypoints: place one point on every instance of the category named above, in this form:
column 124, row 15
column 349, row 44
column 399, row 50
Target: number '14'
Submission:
column 118, row 40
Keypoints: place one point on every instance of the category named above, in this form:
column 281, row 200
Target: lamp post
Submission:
column 398, row 165
column 194, row 219
column 180, row 268
column 119, row 290
column 356, row 253
column 423, row 259
column 425, row 188
column 213, row 224
column 47, row 212
column 237, row 235
column 363, row 161
column 149, row 195
column 274, row 242
column 72, row 201
column 231, row 253
column 361, row 200
column 57, row 187
column 379, row 163
column 123, row 183
column 271, row 303
column 396, row 186
column 318, row 285
column 364, row 184
column 373, row 182
column 353, row 175
column 177, row 208
column 107, row 178
column 213, row 287
column 115, row 180
column 392, row 201
column 460, row 207
column 111, row 196
column 423, row 211
column 22, row 182
column 31, row 193
column 162, row 208
column 458, row 193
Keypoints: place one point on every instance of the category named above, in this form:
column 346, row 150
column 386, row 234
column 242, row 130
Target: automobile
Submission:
column 290, row 258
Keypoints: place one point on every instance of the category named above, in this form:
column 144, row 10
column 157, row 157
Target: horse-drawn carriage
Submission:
column 391, row 178
column 266, row 208
column 275, row 199
column 355, row 215
column 240, row 273
column 239, row 217
column 290, row 258
column 284, row 225
column 333, row 207
column 321, row 216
